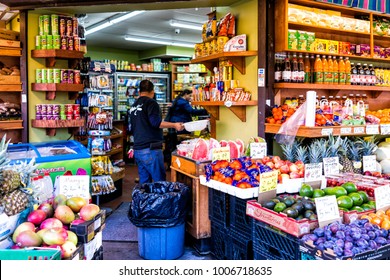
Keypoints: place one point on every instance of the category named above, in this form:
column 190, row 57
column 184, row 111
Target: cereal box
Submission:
column 292, row 39
column 321, row 45
column 363, row 49
column 302, row 40
column 310, row 38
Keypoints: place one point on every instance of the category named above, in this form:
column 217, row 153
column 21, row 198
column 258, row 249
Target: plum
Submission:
column 362, row 243
column 338, row 251
column 372, row 245
column 365, row 236
column 312, row 237
column 339, row 243
column 380, row 240
column 356, row 235
column 321, row 246
column 348, row 245
column 348, row 253
column 356, row 250
column 334, row 227
column 363, row 230
column 340, row 234
column 305, row 238
column 371, row 234
column 349, row 238
column 328, row 234
column 378, row 232
column 384, row 232
column 319, row 241
column 319, row 232
column 328, row 244
column 362, row 222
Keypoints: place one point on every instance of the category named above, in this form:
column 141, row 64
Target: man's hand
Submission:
column 179, row 126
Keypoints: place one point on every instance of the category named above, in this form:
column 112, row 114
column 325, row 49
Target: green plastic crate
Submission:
column 30, row 254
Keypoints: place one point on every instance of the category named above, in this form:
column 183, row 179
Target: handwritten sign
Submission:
column 76, row 185
column 313, row 172
column 327, row 210
column 345, row 130
column 326, row 131
column 331, row 166
column 258, row 150
column 385, row 129
column 372, row 129
column 222, row 153
column 358, row 130
column 369, row 163
column 268, row 181
column 382, row 197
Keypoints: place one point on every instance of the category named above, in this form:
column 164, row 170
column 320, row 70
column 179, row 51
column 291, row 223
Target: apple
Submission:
column 293, row 167
column 284, row 169
column 270, row 164
column 275, row 159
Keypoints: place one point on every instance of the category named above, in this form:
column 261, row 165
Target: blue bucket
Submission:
column 161, row 243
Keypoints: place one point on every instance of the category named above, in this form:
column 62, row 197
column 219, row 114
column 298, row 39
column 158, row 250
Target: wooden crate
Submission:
column 9, row 43
column 9, row 80
column 187, row 165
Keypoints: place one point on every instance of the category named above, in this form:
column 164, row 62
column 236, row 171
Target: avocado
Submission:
column 308, row 213
column 299, row 207
column 300, row 217
column 289, row 200
column 309, row 205
column 279, row 207
column 270, row 204
column 291, row 212
column 313, row 217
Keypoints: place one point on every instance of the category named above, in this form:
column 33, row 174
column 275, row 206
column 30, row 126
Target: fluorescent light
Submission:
column 185, row 24
column 110, row 21
column 159, row 41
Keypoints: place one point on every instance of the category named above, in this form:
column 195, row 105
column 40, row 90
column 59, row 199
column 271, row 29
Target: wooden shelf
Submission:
column 11, row 124
column 116, row 136
column 118, row 175
column 4, row 51
column 52, row 56
column 52, row 125
column 11, row 87
column 311, row 28
column 237, row 59
column 114, row 151
column 51, row 89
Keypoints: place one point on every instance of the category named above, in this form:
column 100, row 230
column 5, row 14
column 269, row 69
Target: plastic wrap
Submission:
column 288, row 130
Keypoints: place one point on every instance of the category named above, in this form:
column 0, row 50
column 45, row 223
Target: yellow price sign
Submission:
column 222, row 153
column 268, row 181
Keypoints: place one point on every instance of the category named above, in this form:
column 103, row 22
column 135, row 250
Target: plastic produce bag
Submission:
column 159, row 204
column 288, row 130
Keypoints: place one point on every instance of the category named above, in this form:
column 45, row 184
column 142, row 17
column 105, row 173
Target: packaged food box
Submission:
column 321, row 45
column 348, row 24
column 352, row 48
column 333, row 47
column 362, row 50
column 310, row 38
column 292, row 39
column 302, row 41
column 344, row 48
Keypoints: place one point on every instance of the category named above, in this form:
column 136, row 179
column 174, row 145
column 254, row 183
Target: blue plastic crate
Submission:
column 219, row 207
column 260, row 254
column 277, row 244
column 239, row 221
column 241, row 247
column 220, row 242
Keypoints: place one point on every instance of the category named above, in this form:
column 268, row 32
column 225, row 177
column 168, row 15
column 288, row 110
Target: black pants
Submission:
column 170, row 145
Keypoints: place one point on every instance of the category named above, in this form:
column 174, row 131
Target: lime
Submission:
column 349, row 187
column 366, row 206
column 339, row 191
column 306, row 190
column 357, row 208
column 364, row 195
column 279, row 207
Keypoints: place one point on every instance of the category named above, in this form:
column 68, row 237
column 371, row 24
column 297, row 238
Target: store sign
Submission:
column 369, row 163
column 327, row 210
column 372, row 129
column 313, row 172
column 268, row 181
column 331, row 166
column 385, row 129
column 258, row 150
column 75, row 185
column 382, row 197
column 222, row 153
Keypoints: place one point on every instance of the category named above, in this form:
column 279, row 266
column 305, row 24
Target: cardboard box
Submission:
column 93, row 246
column 86, row 231
column 9, row 34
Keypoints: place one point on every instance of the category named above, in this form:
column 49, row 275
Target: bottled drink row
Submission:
column 295, row 102
column 317, row 69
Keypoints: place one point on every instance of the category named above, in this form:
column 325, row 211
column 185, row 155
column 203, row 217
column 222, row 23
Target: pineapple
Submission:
column 10, row 181
column 316, row 151
column 368, row 148
column 354, row 155
column 302, row 154
column 288, row 151
column 345, row 162
column 14, row 202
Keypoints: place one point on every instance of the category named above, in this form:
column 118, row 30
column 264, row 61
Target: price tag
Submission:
column 313, row 172
column 331, row 166
column 382, row 197
column 369, row 163
column 326, row 131
column 346, row 130
column 75, row 185
column 385, row 129
column 358, row 130
column 107, row 67
column 222, row 153
column 327, row 210
column 372, row 129
column 258, row 150
column 268, row 181
column 96, row 67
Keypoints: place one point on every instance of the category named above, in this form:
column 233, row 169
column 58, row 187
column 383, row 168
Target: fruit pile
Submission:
column 280, row 114
column 382, row 115
column 381, row 218
column 285, row 168
column 48, row 225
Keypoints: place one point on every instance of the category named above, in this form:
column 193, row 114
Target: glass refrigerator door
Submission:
column 162, row 85
column 126, row 91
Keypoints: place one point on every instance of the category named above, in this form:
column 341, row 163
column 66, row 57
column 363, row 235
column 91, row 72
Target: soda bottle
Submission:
column 301, row 69
column 361, row 76
column 330, row 70
column 348, row 68
column 307, row 67
column 335, row 71
column 373, row 75
column 286, row 73
column 342, row 74
column 319, row 74
column 354, row 74
column 325, row 69
column 278, row 71
column 294, row 69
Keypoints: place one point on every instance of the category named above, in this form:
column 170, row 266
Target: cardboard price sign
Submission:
column 222, row 153
column 369, row 163
column 258, row 150
column 331, row 166
column 327, row 210
column 313, row 172
column 382, row 197
column 75, row 185
column 268, row 181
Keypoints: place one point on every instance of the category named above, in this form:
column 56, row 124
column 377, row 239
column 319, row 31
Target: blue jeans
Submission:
column 150, row 165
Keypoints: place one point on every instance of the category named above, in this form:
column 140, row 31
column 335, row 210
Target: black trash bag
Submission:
column 159, row 204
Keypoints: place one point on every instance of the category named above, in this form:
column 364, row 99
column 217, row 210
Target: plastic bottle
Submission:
column 301, row 100
column 372, row 73
column 278, row 71
column 330, row 70
column 301, row 69
column 294, row 69
column 365, row 100
column 286, row 73
column 361, row 75
column 354, row 74
column 325, row 69
column 307, row 67
column 319, row 74
column 335, row 71
column 367, row 75
column 342, row 74
column 48, row 185
column 348, row 68
column 312, row 71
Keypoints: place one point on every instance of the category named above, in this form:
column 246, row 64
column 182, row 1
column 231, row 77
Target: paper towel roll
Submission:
column 310, row 108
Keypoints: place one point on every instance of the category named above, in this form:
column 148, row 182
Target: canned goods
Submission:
column 44, row 76
column 77, row 76
column 38, row 109
column 46, row 24
column 57, row 76
column 50, row 76
column 56, row 42
column 38, row 76
column 68, row 109
column 63, row 43
column 56, row 109
column 75, row 25
column 70, row 43
column 43, row 42
column 49, row 109
column 40, row 25
column 69, row 117
column 44, row 109
column 76, row 109
column 38, row 116
column 70, row 76
column 37, row 42
column 64, row 76
column 54, row 24
column 49, row 42
column 44, row 117
column 76, row 43
column 62, row 25
column 76, row 117
column 69, row 26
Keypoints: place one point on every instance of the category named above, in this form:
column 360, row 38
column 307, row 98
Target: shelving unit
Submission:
column 52, row 89
column 51, row 56
column 51, row 126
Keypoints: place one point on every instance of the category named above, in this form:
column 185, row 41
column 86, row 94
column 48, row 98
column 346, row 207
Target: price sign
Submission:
column 258, row 150
column 358, row 130
column 382, row 197
column 372, row 129
column 97, row 67
column 385, row 129
column 369, row 163
column 326, row 131
column 75, row 185
column 327, row 210
column 331, row 166
column 268, row 181
column 222, row 153
column 313, row 172
column 346, row 130
column 107, row 67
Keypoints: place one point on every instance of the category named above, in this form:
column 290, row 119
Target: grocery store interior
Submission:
column 289, row 163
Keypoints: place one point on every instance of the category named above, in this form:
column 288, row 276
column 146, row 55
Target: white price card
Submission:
column 358, row 130
column 345, row 130
column 313, row 172
column 107, row 67
column 75, row 185
column 369, row 163
column 222, row 153
column 97, row 67
column 258, row 150
column 385, row 129
column 326, row 131
column 268, row 181
column 331, row 165
column 382, row 197
column 372, row 129
column 327, row 210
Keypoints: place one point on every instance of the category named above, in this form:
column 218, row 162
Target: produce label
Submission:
column 369, row 163
column 326, row 131
column 382, row 197
column 372, row 129
column 345, row 130
column 358, row 130
column 385, row 129
column 327, row 210
column 331, row 166
column 75, row 185
column 258, row 150
column 222, row 153
column 313, row 172
column 268, row 181
column 178, row 162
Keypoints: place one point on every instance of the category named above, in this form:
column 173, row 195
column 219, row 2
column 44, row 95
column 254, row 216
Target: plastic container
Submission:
column 30, row 254
column 196, row 125
column 161, row 243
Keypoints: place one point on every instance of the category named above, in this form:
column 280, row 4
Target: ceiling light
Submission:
column 159, row 41
column 185, row 24
column 110, row 21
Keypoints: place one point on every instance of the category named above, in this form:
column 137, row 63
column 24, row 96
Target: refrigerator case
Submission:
column 127, row 89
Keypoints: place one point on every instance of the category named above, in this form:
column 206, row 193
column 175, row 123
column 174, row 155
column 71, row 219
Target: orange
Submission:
column 372, row 215
column 380, row 213
column 366, row 217
column 388, row 212
column 376, row 220
column 385, row 224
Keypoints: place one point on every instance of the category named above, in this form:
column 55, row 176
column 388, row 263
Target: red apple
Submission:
column 275, row 159
column 294, row 175
column 270, row 164
column 293, row 167
column 284, row 169
column 265, row 159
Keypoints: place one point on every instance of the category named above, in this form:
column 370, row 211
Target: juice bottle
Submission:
column 335, row 71
column 360, row 74
column 278, row 71
column 294, row 69
column 372, row 73
column 301, row 69
column 342, row 74
column 347, row 71
column 319, row 75
column 307, row 67
column 367, row 75
column 312, row 72
column 330, row 70
column 325, row 69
